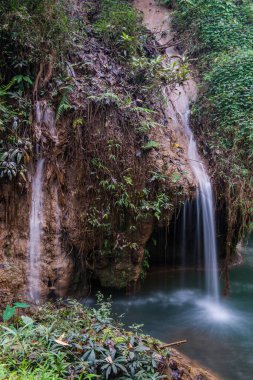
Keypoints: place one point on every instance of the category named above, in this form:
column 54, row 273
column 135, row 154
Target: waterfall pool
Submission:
column 173, row 306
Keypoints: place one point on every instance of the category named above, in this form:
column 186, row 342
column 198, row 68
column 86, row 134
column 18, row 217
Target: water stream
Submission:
column 35, row 224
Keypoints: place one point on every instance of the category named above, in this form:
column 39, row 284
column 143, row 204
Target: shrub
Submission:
column 216, row 25
column 31, row 32
column 119, row 26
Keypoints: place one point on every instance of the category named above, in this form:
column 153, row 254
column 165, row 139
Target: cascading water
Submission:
column 205, row 213
column 36, row 214
column 36, row 220
column 158, row 20
column 41, row 213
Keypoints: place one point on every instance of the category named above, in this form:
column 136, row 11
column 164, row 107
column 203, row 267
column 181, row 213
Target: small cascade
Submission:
column 206, row 229
column 45, row 210
column 36, row 214
column 36, row 221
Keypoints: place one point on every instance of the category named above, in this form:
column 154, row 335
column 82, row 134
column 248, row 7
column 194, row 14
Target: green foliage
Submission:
column 106, row 99
column 34, row 35
column 13, row 90
column 31, row 31
column 176, row 177
column 71, row 341
column 118, row 25
column 13, row 160
column 64, row 105
column 217, row 25
column 145, row 126
column 10, row 310
column 229, row 93
column 150, row 145
column 154, row 72
column 157, row 206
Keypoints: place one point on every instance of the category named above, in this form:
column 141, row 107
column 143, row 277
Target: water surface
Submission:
column 173, row 306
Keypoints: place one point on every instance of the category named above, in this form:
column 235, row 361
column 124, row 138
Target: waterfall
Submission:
column 36, row 220
column 36, row 212
column 206, row 229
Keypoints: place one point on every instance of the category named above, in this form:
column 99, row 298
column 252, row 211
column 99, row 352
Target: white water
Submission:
column 205, row 213
column 36, row 220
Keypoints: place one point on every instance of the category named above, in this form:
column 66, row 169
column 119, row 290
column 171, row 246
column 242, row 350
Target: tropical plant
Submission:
column 77, row 342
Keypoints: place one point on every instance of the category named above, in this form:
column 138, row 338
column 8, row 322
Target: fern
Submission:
column 63, row 106
column 143, row 110
column 107, row 98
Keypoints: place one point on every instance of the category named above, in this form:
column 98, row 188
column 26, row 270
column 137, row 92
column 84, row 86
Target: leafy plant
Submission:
column 114, row 365
column 10, row 310
column 14, row 160
column 74, row 341
column 150, row 145
column 154, row 72
column 35, row 30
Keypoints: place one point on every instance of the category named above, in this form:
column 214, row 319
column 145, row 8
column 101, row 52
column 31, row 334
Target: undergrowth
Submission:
column 120, row 27
column 70, row 341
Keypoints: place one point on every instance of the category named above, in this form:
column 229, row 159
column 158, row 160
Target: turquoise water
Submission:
column 172, row 306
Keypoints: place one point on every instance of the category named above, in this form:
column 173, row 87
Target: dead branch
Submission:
column 172, row 344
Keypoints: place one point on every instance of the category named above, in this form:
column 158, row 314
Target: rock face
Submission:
column 14, row 207
column 102, row 193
